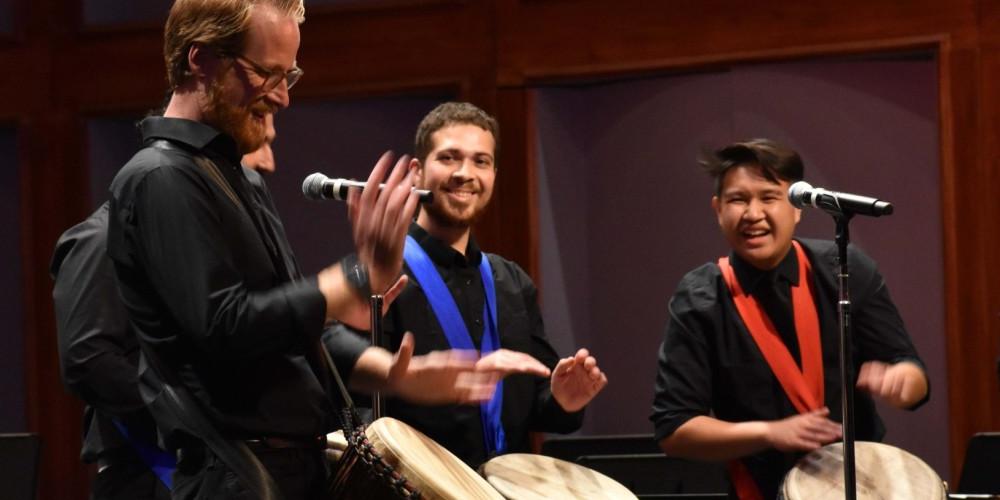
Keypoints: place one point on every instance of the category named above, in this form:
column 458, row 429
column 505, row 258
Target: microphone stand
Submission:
column 802, row 194
column 846, row 356
column 378, row 403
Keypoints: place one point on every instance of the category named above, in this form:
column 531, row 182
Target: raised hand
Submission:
column 379, row 220
column 576, row 380
column 804, row 432
column 902, row 384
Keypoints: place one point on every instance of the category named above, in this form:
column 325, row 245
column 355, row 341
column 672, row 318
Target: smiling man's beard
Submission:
column 235, row 121
column 446, row 218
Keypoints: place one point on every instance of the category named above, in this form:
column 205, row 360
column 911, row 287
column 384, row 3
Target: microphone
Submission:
column 320, row 187
column 802, row 194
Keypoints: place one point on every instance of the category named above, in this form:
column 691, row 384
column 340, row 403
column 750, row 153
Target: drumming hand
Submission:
column 805, row 432
column 379, row 219
column 503, row 362
column 902, row 384
column 439, row 377
column 576, row 380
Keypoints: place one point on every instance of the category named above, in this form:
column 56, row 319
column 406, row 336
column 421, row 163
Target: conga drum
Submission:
column 528, row 477
column 883, row 472
column 391, row 460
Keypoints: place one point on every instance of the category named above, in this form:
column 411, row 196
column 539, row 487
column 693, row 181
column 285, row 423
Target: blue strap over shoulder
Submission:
column 457, row 333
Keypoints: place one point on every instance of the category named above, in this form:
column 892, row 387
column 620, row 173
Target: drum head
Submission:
column 883, row 472
column 523, row 476
column 428, row 466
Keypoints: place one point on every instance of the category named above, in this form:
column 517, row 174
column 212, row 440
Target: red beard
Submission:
column 236, row 121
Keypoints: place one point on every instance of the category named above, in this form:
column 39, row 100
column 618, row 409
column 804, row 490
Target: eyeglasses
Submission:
column 271, row 77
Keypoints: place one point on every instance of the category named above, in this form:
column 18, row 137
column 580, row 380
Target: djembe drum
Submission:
column 523, row 476
column 391, row 460
column 883, row 473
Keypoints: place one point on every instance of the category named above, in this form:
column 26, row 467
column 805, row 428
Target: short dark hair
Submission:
column 774, row 160
column 453, row 113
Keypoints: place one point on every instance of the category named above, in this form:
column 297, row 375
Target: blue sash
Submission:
column 162, row 463
column 450, row 319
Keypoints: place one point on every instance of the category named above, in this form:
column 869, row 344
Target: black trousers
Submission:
column 300, row 474
column 122, row 475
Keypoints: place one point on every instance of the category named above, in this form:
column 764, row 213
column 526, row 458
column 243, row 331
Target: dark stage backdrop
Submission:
column 6, row 17
column 339, row 139
column 12, row 417
column 625, row 211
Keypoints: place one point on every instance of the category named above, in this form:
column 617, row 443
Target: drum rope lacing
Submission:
column 378, row 467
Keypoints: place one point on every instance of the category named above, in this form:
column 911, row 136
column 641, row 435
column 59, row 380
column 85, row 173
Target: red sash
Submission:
column 803, row 387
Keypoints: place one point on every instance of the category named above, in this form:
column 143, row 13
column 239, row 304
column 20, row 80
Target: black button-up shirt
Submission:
column 98, row 351
column 212, row 287
column 528, row 404
column 709, row 363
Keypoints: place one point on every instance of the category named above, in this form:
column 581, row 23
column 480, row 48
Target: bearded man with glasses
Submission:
column 229, row 329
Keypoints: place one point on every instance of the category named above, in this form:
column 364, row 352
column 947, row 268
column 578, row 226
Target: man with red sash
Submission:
column 460, row 297
column 749, row 368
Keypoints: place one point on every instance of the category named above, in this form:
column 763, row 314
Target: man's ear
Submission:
column 199, row 60
column 717, row 207
column 416, row 166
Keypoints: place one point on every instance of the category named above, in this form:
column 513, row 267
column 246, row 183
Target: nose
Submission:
column 279, row 95
column 464, row 169
column 754, row 211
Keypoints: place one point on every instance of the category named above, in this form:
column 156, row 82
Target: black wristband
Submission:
column 356, row 274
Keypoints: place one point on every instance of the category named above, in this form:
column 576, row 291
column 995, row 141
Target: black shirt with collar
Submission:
column 98, row 351
column 772, row 290
column 212, row 288
column 528, row 404
column 710, row 365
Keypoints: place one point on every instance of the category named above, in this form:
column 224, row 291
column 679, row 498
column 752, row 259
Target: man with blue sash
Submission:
column 460, row 297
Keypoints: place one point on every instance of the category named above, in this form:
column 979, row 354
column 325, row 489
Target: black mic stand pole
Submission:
column 378, row 404
column 846, row 356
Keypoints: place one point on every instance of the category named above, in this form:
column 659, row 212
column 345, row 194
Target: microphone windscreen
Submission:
column 797, row 193
column 312, row 186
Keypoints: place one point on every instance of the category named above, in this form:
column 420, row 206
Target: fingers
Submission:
column 506, row 362
column 393, row 292
column 601, row 381
column 804, row 432
column 564, row 366
column 379, row 220
column 871, row 375
column 582, row 359
column 389, row 205
column 475, row 387
column 817, row 428
column 370, row 192
column 888, row 382
column 409, row 210
column 353, row 200
column 401, row 360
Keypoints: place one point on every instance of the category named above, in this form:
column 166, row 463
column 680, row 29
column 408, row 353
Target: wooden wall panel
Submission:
column 965, row 242
column 124, row 71
column 490, row 52
column 593, row 37
column 446, row 45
